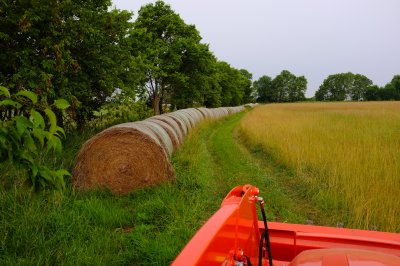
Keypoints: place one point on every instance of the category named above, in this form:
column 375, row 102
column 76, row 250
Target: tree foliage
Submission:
column 28, row 127
column 71, row 49
column 180, row 70
column 285, row 87
column 344, row 86
column 390, row 92
column 172, row 53
column 264, row 89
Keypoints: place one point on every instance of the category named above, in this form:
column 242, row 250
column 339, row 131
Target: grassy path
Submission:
column 149, row 226
column 233, row 164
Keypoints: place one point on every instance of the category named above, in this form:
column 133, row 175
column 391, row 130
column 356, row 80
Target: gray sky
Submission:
column 314, row 38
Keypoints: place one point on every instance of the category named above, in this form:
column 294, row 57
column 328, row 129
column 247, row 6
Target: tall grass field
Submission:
column 348, row 154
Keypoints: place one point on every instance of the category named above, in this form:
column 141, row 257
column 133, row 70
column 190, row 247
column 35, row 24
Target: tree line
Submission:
column 286, row 87
column 356, row 87
column 87, row 53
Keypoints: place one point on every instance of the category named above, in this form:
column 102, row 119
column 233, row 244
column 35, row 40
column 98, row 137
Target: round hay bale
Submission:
column 224, row 111
column 121, row 159
column 209, row 112
column 179, row 121
column 196, row 114
column 173, row 124
column 204, row 112
column 184, row 117
column 142, row 128
column 162, row 135
column 189, row 118
column 213, row 114
column 218, row 112
column 171, row 132
column 231, row 110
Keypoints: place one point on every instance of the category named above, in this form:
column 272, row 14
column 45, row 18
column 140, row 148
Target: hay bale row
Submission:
column 133, row 155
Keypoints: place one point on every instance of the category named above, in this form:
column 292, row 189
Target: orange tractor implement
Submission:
column 234, row 236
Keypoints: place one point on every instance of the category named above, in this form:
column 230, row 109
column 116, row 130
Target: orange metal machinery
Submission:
column 232, row 237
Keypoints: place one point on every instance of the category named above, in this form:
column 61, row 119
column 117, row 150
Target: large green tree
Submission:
column 176, row 62
column 263, row 87
column 232, row 82
column 71, row 49
column 247, row 85
column 288, row 88
column 344, row 86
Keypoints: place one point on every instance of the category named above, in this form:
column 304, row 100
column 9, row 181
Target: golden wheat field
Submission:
column 347, row 153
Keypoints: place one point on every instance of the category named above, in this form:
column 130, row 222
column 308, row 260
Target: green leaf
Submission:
column 11, row 103
column 54, row 143
column 37, row 119
column 39, row 134
column 52, row 119
column 4, row 91
column 30, row 95
column 61, row 130
column 63, row 172
column 46, row 174
column 61, row 104
column 30, row 143
column 26, row 156
column 34, row 169
column 22, row 124
column 57, row 144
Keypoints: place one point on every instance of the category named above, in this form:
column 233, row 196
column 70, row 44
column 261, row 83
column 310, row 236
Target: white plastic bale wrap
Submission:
column 142, row 128
column 173, row 124
column 182, row 117
column 186, row 116
column 171, row 131
column 196, row 114
column 162, row 134
column 207, row 113
column 179, row 121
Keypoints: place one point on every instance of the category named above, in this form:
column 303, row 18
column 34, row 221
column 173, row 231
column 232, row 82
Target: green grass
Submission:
column 149, row 226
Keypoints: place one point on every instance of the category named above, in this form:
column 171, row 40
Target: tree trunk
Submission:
column 156, row 104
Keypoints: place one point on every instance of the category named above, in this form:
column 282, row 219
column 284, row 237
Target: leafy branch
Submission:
column 29, row 128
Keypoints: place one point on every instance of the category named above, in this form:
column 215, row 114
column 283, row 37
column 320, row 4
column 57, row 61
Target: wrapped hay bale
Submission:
column 224, row 111
column 207, row 113
column 185, row 117
column 170, row 131
column 122, row 158
column 173, row 124
column 218, row 113
column 162, row 135
column 189, row 117
column 213, row 113
column 182, row 124
column 196, row 114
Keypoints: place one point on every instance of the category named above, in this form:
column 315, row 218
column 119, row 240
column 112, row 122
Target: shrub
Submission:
column 28, row 128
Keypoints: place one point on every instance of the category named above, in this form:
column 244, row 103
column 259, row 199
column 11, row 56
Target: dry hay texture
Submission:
column 133, row 155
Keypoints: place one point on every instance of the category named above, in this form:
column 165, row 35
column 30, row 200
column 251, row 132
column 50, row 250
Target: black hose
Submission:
column 260, row 249
column 265, row 235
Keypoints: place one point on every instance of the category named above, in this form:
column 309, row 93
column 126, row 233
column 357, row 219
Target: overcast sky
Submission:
column 314, row 38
